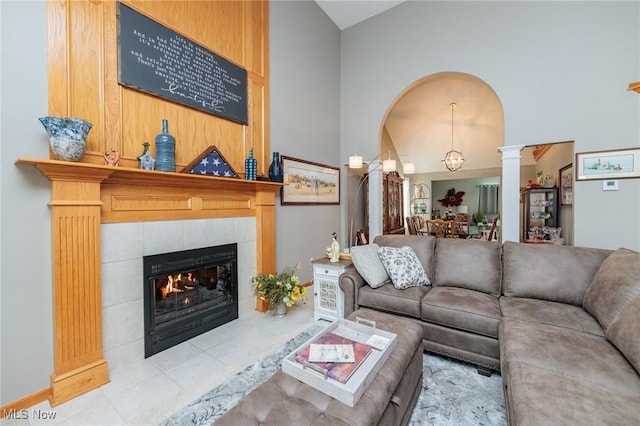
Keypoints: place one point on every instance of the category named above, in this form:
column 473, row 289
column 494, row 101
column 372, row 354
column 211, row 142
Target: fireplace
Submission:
column 187, row 293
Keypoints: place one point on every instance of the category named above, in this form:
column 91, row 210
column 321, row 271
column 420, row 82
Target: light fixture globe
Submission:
column 453, row 160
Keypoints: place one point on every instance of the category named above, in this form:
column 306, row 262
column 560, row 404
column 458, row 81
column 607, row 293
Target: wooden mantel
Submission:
column 83, row 196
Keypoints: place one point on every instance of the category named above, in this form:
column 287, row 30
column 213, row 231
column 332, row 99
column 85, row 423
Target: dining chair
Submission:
column 460, row 222
column 437, row 227
column 494, row 224
column 410, row 226
column 418, row 224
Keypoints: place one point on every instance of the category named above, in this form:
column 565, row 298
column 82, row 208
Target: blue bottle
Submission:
column 250, row 166
column 275, row 169
column 165, row 150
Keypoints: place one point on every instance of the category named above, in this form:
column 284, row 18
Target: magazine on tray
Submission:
column 339, row 371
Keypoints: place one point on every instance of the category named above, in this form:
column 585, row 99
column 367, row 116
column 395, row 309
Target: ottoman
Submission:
column 389, row 399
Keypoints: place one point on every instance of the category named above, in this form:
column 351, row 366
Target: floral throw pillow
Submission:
column 403, row 267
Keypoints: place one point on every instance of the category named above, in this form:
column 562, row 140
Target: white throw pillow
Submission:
column 403, row 267
column 367, row 263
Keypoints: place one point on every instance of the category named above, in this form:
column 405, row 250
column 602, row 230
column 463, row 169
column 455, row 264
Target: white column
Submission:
column 510, row 217
column 375, row 199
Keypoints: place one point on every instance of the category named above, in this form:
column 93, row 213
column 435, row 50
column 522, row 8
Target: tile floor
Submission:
column 149, row 391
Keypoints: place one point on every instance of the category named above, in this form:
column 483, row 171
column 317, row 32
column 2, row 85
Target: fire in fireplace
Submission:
column 187, row 293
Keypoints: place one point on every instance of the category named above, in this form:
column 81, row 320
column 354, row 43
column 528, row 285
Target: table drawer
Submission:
column 329, row 272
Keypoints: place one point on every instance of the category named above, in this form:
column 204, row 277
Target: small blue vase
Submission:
column 275, row 169
column 250, row 166
column 146, row 160
column 165, row 150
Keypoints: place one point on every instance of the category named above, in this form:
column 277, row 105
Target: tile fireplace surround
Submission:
column 124, row 245
column 103, row 220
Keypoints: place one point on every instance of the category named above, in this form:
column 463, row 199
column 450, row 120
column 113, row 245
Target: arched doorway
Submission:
column 418, row 128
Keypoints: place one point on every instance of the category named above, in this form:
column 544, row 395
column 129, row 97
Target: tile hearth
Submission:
column 146, row 392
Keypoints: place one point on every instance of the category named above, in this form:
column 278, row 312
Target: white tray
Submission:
column 352, row 390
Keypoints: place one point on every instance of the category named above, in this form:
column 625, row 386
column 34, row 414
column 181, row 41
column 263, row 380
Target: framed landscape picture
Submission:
column 613, row 164
column 306, row 182
column 565, row 183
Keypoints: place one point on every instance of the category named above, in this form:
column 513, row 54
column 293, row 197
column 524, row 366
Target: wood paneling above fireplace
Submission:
column 83, row 78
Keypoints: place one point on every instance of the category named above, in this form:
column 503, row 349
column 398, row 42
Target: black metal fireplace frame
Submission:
column 164, row 336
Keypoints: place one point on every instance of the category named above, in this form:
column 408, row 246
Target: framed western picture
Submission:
column 306, row 182
column 612, row 164
column 565, row 183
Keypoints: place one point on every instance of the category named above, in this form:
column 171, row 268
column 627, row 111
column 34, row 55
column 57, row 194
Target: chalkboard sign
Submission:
column 156, row 60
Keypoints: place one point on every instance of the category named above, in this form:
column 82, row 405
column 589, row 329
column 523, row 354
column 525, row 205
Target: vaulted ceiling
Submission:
column 345, row 13
column 419, row 122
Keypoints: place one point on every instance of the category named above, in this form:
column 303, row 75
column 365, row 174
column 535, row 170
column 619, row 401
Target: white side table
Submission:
column 327, row 295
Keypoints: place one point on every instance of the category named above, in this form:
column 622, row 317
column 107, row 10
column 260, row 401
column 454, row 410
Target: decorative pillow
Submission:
column 403, row 267
column 367, row 263
column 616, row 283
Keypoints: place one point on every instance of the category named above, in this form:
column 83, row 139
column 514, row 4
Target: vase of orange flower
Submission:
column 280, row 291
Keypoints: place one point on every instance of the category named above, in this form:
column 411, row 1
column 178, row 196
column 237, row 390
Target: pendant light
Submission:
column 454, row 159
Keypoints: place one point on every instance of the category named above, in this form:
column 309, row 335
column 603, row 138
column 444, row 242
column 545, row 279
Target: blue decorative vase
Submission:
column 275, row 169
column 67, row 136
column 250, row 166
column 165, row 150
column 146, row 160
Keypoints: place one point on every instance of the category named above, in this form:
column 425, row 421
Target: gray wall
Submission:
column 560, row 70
column 25, row 301
column 468, row 186
column 305, row 115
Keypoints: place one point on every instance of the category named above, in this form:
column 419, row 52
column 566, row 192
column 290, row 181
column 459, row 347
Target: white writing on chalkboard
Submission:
column 204, row 83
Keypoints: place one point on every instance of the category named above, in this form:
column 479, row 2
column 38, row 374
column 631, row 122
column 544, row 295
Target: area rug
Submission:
column 453, row 393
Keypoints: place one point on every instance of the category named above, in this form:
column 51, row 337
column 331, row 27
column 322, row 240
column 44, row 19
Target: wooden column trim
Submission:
column 265, row 231
column 83, row 196
column 79, row 364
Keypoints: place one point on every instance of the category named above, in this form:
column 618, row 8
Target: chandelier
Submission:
column 454, row 159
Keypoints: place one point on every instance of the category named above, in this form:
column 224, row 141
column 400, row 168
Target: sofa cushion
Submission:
column 462, row 309
column 582, row 356
column 624, row 332
column 552, row 313
column 367, row 263
column 614, row 285
column 390, row 299
column 471, row 264
column 539, row 397
column 424, row 247
column 403, row 267
column 548, row 271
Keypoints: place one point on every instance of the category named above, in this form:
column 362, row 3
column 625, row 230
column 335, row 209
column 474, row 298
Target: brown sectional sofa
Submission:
column 562, row 324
